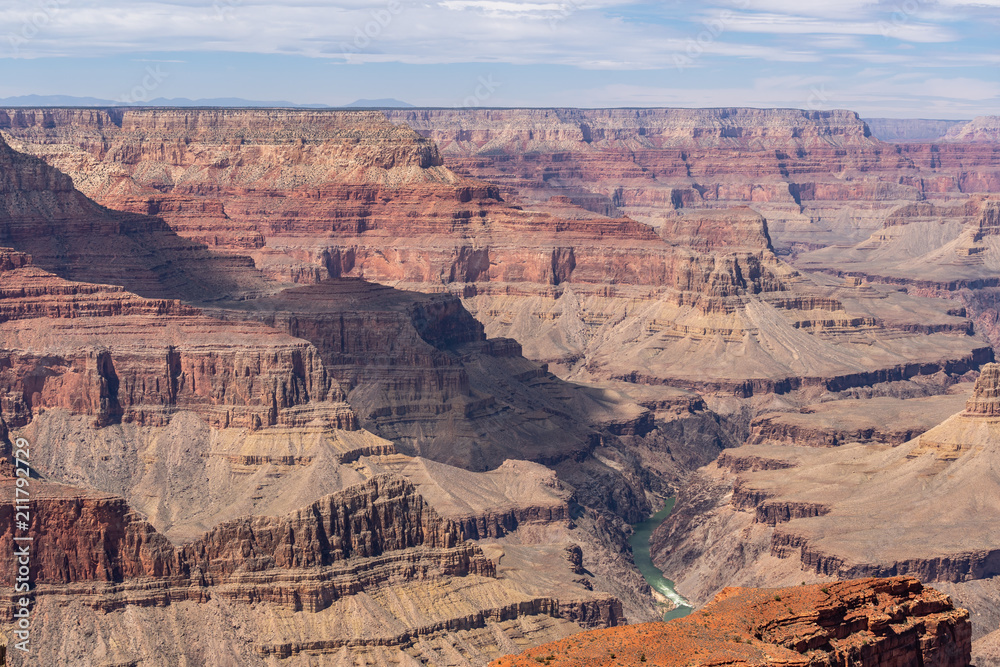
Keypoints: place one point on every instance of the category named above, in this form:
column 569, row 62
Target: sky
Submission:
column 904, row 58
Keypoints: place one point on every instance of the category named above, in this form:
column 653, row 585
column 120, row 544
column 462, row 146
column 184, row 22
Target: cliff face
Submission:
column 372, row 541
column 165, row 357
column 294, row 191
column 86, row 537
column 798, row 168
column 41, row 212
column 862, row 622
column 297, row 192
column 543, row 130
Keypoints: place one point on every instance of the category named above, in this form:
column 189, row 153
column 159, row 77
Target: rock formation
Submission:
column 985, row 399
column 367, row 541
column 863, row 622
column 784, row 510
column 187, row 385
column 818, row 177
column 947, row 251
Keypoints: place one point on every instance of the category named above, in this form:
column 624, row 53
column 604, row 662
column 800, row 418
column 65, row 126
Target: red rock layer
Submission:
column 321, row 195
column 402, row 357
column 680, row 158
column 365, row 536
column 894, row 622
column 329, row 195
column 102, row 351
column 42, row 214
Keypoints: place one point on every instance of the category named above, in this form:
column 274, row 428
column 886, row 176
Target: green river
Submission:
column 640, row 553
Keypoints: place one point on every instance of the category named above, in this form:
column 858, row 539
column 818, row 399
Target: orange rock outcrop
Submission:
column 896, row 622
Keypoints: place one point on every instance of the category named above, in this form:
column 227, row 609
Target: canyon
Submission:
column 319, row 387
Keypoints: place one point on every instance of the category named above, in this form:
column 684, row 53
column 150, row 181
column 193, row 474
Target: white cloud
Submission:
column 505, row 7
column 781, row 24
column 714, row 36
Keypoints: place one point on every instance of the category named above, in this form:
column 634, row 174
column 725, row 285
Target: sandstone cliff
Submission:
column 378, row 542
column 126, row 358
column 819, row 177
column 482, row 131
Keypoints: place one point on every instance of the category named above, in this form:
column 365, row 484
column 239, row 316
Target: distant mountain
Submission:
column 71, row 101
column 55, row 101
column 226, row 102
column 387, row 102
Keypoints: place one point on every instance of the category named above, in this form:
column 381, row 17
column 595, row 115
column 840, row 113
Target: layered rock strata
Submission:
column 933, row 250
column 880, row 419
column 819, row 177
column 377, row 543
column 212, row 419
column 907, row 130
column 557, row 277
column 101, row 351
column 293, row 561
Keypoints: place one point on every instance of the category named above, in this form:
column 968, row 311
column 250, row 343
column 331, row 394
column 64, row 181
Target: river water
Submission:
column 640, row 553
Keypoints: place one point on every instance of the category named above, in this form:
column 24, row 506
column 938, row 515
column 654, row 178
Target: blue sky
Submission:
column 905, row 58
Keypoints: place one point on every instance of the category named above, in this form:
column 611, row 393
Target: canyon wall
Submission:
column 480, row 207
column 910, row 130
